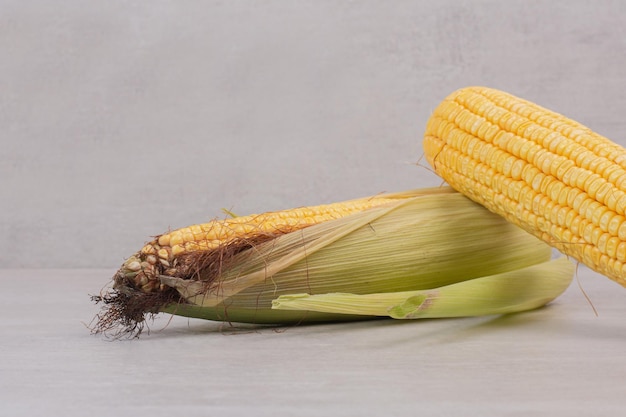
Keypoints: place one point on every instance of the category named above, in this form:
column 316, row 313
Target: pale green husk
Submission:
column 427, row 240
column 508, row 292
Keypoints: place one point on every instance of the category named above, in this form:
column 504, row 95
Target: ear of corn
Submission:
column 423, row 240
column 550, row 175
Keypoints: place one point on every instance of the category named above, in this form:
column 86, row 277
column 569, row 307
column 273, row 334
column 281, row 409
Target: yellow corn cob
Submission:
column 141, row 271
column 548, row 174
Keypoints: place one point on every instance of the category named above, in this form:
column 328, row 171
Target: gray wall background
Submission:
column 122, row 119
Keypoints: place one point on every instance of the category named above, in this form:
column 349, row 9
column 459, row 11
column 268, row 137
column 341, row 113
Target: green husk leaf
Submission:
column 509, row 292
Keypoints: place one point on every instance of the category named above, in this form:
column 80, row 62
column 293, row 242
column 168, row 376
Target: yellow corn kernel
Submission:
column 542, row 171
column 218, row 232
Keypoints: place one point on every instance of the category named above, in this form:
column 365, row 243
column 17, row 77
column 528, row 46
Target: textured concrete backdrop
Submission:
column 122, row 119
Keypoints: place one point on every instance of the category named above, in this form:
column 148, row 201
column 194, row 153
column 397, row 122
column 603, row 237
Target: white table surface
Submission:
column 561, row 360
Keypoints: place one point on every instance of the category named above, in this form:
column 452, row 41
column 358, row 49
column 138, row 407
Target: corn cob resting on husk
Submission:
column 421, row 253
column 548, row 174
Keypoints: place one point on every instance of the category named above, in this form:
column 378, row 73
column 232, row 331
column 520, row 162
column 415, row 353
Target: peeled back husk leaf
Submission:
column 508, row 292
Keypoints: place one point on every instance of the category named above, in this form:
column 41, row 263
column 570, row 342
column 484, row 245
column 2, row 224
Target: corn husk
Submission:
column 431, row 239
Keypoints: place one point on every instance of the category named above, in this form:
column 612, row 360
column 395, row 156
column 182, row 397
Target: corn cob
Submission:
column 540, row 170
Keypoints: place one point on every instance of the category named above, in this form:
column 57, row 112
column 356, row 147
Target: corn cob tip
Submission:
column 142, row 287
